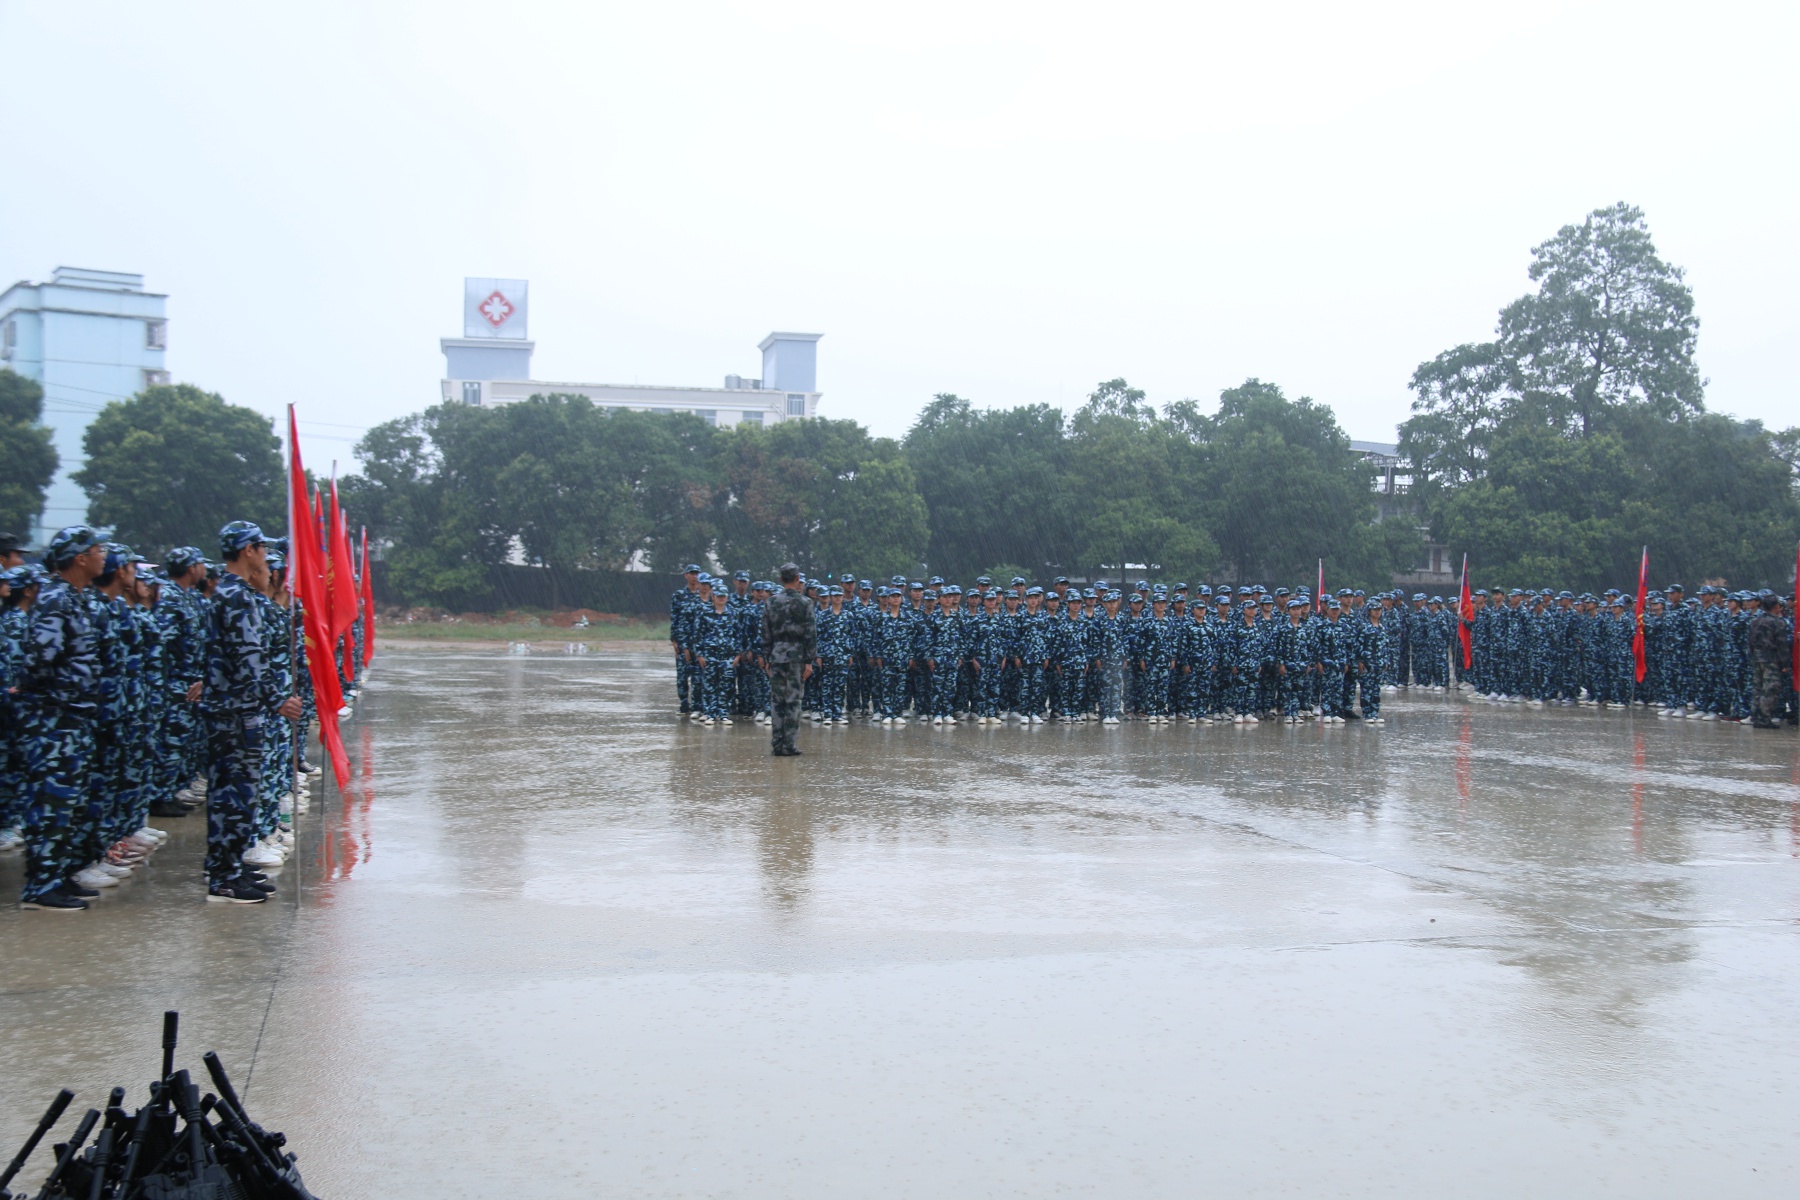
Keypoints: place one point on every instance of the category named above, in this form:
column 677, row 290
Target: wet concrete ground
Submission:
column 551, row 935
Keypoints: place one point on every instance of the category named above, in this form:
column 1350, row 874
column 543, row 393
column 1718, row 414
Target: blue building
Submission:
column 88, row 337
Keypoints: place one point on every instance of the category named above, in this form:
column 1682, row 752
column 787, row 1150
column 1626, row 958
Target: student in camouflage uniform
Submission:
column 241, row 689
column 58, row 701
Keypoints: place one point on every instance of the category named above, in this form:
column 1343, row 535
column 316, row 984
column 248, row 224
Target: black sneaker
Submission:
column 58, row 900
column 168, row 808
column 70, row 887
column 236, row 892
column 261, row 885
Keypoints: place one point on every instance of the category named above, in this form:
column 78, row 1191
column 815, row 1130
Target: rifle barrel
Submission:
column 51, row 1116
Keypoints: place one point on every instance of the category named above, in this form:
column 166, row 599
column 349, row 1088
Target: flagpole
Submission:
column 298, row 738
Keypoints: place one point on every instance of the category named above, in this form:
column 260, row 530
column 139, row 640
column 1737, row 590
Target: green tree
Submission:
column 790, row 491
column 1554, row 453
column 995, row 484
column 26, row 449
column 1134, row 506
column 172, row 464
column 1282, row 489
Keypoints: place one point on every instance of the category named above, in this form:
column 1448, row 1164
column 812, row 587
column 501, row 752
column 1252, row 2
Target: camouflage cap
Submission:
column 181, row 558
column 69, row 543
column 237, row 535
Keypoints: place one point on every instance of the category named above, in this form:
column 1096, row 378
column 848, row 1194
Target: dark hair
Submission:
column 790, row 573
column 1770, row 603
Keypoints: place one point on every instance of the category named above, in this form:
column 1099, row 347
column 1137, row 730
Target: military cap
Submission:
column 1281, row 591
column 1143, row 585
column 1417, row 596
column 744, row 575
column 935, row 580
column 181, row 558
column 237, row 535
column 691, row 569
column 1224, row 596
column 984, row 580
column 277, row 561
column 1440, row 599
column 1016, row 581
column 896, row 580
column 1359, row 592
column 1101, row 583
column 18, row 577
column 1516, row 592
column 1674, row 587
column 931, row 593
column 68, row 543
column 1565, row 596
column 1034, row 591
column 863, row 585
column 1334, row 606
column 1204, row 591
column 1296, row 604
column 951, row 589
column 1249, row 604
column 10, row 543
column 915, row 585
column 846, row 577
column 117, row 555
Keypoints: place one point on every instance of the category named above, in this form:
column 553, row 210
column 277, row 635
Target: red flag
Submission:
column 340, row 572
column 368, row 602
column 1465, row 613
column 1796, row 674
column 1319, row 598
column 306, row 579
column 1637, row 634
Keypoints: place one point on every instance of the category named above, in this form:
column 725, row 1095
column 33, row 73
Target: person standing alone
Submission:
column 790, row 643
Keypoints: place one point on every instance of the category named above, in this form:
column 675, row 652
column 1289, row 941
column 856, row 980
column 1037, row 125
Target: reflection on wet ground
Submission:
column 549, row 934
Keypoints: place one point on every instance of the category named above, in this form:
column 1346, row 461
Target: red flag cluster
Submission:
column 322, row 575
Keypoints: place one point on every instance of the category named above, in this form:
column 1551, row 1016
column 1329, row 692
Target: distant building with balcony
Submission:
column 491, row 365
column 89, row 337
column 1394, row 502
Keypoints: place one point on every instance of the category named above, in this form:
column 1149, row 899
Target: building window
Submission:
column 661, row 412
column 796, row 404
column 709, row 415
column 9, row 337
column 156, row 335
column 751, row 418
column 154, row 378
column 471, row 392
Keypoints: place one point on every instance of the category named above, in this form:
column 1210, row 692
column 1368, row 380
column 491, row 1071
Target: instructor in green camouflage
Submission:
column 790, row 643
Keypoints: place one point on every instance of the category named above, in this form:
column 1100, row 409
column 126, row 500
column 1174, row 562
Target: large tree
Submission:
column 995, row 484
column 27, row 451
column 1555, row 452
column 172, row 464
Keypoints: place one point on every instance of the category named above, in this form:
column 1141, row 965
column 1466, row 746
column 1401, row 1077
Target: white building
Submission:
column 89, row 337
column 491, row 364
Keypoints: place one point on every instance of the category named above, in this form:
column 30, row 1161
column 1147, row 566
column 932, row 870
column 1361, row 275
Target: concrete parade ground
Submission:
column 552, row 941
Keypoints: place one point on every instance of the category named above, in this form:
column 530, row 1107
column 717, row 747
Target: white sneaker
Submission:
column 1110, row 721
column 159, row 834
column 94, row 876
column 116, row 870
column 344, row 711
column 262, row 856
column 11, row 839
column 286, row 838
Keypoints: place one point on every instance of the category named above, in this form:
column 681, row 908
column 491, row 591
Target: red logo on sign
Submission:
column 496, row 308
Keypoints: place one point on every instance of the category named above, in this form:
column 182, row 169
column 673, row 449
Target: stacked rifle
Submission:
column 179, row 1146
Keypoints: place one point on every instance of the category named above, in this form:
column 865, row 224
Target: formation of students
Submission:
column 932, row 651
column 132, row 690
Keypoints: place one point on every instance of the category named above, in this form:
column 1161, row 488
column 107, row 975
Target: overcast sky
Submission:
column 1009, row 202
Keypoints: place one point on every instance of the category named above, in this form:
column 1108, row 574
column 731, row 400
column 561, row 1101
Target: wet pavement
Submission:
column 550, row 935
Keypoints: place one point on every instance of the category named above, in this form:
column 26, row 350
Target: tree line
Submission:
column 1550, row 453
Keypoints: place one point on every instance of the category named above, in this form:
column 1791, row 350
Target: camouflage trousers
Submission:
column 833, row 675
column 233, row 776
column 277, row 773
column 786, row 688
column 1769, row 690
column 58, row 752
column 180, row 747
column 12, row 765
